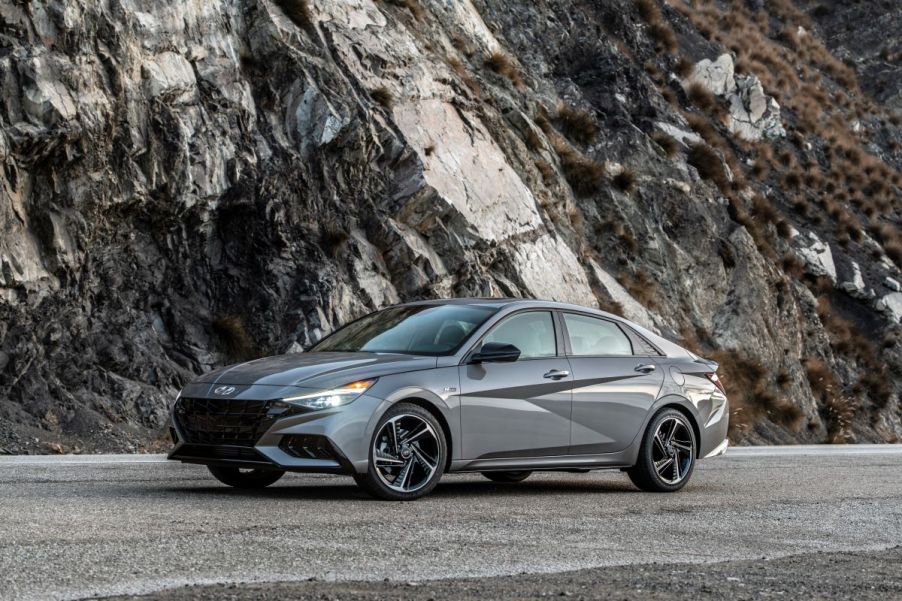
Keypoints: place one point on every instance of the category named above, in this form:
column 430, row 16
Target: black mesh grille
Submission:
column 227, row 453
column 223, row 421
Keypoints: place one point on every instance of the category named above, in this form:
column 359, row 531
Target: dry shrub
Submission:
column 577, row 124
column 412, row 5
column 751, row 395
column 835, row 408
column 232, row 338
column 458, row 67
column 664, row 36
column 709, row 165
column 332, row 237
column 383, row 96
column 584, row 175
column 667, row 143
column 684, row 67
column 296, row 10
column 547, row 171
column 641, row 287
column 532, row 139
column 625, row 180
column 504, row 65
column 702, row 97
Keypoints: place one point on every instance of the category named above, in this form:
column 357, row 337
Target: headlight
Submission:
column 324, row 399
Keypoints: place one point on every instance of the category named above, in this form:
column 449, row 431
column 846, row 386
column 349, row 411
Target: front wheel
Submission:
column 507, row 477
column 245, row 478
column 667, row 455
column 407, row 455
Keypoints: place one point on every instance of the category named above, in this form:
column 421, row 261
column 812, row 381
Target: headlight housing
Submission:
column 335, row 397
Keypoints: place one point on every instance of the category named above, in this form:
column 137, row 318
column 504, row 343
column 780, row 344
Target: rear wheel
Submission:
column 407, row 456
column 245, row 478
column 667, row 455
column 509, row 477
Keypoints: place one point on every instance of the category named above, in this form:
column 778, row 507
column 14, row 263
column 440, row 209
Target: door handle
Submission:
column 645, row 368
column 556, row 374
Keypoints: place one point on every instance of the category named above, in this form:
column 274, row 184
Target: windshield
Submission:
column 416, row 330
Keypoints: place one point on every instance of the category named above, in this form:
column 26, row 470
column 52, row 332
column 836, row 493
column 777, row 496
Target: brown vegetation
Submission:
column 504, row 65
column 412, row 5
column 383, row 96
column 296, row 10
column 668, row 144
column 577, row 124
column 232, row 338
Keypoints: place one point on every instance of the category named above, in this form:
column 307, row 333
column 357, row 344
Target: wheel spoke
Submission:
column 662, row 465
column 410, row 438
column 660, row 443
column 405, row 474
column 383, row 458
column 394, row 435
column 425, row 460
column 682, row 445
column 673, row 430
column 676, row 468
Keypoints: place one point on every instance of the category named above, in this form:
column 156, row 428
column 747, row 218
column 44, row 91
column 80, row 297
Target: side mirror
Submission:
column 496, row 352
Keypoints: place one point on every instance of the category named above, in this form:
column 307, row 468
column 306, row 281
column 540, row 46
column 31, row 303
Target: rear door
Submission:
column 522, row 408
column 614, row 384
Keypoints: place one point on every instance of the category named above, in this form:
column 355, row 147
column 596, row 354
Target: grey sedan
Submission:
column 503, row 387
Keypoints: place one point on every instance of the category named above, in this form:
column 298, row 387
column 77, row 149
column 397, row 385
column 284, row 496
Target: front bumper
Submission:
column 327, row 441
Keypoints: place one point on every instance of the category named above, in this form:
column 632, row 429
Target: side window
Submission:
column 531, row 332
column 590, row 336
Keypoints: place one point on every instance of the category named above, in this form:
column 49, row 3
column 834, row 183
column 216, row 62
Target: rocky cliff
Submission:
column 189, row 183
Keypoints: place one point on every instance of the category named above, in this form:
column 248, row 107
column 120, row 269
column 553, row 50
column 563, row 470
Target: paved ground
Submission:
column 80, row 527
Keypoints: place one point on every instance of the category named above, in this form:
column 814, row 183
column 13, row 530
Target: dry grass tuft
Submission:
column 641, row 287
column 836, row 408
column 709, row 165
column 469, row 80
column 625, row 180
column 232, row 338
column 383, row 96
column 702, row 97
column 577, row 124
column 668, row 144
column 412, row 5
column 584, row 175
column 297, row 10
column 504, row 65
column 332, row 237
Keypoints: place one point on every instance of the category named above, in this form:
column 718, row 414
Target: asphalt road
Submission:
column 79, row 527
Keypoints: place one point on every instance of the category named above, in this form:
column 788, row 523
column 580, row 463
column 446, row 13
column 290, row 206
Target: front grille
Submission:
column 232, row 422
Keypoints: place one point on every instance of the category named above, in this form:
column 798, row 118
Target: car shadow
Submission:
column 344, row 489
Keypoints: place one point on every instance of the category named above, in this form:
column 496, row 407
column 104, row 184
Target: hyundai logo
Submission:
column 224, row 390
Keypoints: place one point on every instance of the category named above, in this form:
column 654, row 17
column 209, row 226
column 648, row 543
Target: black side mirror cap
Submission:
column 496, row 352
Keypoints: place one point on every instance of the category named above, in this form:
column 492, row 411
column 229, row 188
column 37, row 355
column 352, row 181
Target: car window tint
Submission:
column 532, row 333
column 591, row 336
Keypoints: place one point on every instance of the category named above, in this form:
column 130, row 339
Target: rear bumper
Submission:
column 719, row 449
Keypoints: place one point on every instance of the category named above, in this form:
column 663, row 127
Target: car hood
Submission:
column 316, row 370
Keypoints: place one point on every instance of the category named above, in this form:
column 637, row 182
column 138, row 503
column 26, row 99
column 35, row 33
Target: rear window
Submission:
column 590, row 336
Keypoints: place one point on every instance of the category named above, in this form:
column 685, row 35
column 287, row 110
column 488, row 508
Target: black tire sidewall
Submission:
column 644, row 474
column 373, row 483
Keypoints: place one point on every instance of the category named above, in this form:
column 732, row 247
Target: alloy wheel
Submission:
column 406, row 453
column 672, row 452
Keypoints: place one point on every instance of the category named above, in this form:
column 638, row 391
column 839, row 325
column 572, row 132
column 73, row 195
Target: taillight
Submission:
column 716, row 381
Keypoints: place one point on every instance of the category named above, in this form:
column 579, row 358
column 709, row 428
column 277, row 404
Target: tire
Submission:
column 245, row 478
column 407, row 455
column 507, row 477
column 665, row 464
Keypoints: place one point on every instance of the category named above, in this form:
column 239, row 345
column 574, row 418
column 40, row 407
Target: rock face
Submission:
column 186, row 184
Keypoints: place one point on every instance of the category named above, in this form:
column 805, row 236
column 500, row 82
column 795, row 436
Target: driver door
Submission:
column 520, row 408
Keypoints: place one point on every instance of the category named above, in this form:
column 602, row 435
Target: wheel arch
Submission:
column 441, row 419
